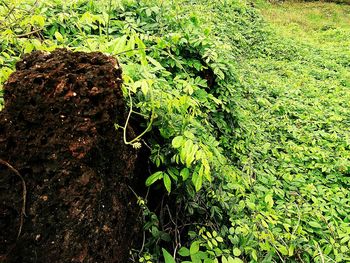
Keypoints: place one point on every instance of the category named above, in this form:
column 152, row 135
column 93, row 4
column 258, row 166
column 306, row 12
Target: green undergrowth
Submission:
column 247, row 118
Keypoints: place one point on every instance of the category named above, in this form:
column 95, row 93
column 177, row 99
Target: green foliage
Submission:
column 167, row 257
column 247, row 124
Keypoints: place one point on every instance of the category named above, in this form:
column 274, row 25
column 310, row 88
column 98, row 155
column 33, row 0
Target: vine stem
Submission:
column 128, row 119
column 109, row 17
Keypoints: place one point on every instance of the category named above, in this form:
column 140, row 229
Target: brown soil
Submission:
column 57, row 131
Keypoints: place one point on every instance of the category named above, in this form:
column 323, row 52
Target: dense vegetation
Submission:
column 246, row 111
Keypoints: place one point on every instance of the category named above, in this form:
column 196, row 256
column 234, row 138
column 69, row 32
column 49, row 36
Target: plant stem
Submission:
column 109, row 17
column 128, row 119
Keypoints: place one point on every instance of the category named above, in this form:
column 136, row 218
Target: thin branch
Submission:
column 279, row 255
column 143, row 242
column 282, row 260
column 129, row 50
column 9, row 13
column 24, row 194
column 299, row 257
column 146, row 144
column 30, row 33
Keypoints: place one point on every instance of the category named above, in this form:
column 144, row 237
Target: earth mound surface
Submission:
column 57, row 134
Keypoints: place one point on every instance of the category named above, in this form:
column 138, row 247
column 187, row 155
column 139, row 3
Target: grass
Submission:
column 320, row 24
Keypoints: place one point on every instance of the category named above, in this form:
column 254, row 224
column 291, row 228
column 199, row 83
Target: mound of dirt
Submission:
column 57, row 133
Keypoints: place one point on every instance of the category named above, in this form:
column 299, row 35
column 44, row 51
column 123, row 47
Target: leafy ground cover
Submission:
column 294, row 111
column 247, row 112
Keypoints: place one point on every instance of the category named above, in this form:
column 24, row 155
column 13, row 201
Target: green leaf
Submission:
column 235, row 260
column 155, row 232
column 183, row 153
column 165, row 236
column 154, row 177
column 59, row 37
column 194, row 247
column 220, row 239
column 343, row 249
column 173, row 172
column 197, row 181
column 291, row 250
column 254, row 255
column 269, row 200
column 167, row 257
column 185, row 252
column 231, row 260
column 148, row 12
column 314, row 224
column 189, row 151
column 189, row 159
column 167, row 182
column 131, row 43
column 144, row 87
column 236, row 252
column 157, row 65
column 120, row 45
column 196, row 258
column 345, row 239
column 283, row 250
column 177, row 141
column 328, row 248
column 141, row 50
column 38, row 20
column 185, row 172
column 189, row 135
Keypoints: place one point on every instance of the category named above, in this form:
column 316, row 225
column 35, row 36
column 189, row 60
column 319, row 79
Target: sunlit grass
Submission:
column 326, row 25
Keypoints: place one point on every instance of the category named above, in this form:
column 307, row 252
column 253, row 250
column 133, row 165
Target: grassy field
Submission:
column 320, row 24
